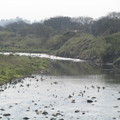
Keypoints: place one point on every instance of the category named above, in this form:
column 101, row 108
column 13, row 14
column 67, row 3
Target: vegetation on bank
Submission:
column 83, row 37
column 104, row 49
column 12, row 67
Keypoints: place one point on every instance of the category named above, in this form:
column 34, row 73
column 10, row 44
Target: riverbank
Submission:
column 12, row 67
column 97, row 49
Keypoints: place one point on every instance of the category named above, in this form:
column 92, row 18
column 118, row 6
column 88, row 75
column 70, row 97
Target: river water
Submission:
column 71, row 90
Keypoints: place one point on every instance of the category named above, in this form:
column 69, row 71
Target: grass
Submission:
column 12, row 67
column 103, row 49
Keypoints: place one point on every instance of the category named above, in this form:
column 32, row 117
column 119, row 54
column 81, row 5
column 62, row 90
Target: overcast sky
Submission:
column 41, row 9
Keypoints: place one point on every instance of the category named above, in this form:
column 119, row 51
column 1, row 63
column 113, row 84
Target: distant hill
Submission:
column 4, row 22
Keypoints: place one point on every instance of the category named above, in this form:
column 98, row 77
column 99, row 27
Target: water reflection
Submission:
column 73, row 69
column 71, row 91
column 65, row 68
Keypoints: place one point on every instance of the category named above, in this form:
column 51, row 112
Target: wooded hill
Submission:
column 82, row 37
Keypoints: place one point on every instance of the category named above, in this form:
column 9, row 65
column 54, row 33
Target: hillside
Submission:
column 83, row 37
column 98, row 49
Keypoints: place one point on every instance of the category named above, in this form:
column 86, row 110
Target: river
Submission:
column 72, row 90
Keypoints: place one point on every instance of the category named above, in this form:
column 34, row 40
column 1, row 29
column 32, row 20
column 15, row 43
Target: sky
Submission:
column 43, row 9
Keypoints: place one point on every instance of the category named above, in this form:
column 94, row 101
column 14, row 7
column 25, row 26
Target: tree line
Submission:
column 105, row 25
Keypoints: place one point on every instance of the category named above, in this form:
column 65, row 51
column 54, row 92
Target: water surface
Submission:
column 63, row 93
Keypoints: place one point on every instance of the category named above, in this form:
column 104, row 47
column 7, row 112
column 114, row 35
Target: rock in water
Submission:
column 77, row 111
column 7, row 114
column 45, row 113
column 25, row 118
column 55, row 82
column 73, row 101
column 89, row 101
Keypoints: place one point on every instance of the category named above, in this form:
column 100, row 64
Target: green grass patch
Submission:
column 12, row 67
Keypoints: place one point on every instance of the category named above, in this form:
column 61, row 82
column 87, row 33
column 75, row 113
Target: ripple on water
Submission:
column 60, row 97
